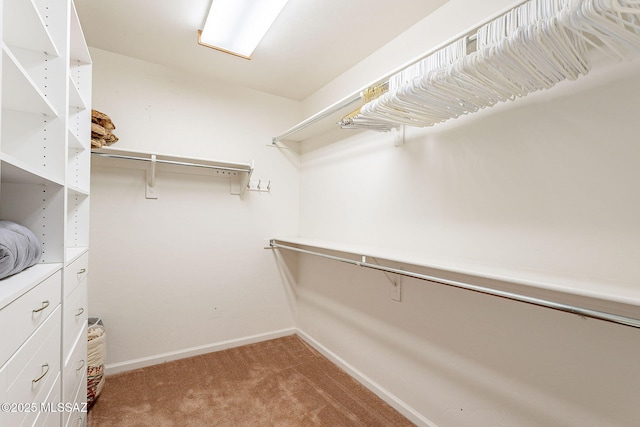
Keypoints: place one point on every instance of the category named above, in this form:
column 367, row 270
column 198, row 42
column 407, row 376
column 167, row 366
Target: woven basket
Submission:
column 96, row 353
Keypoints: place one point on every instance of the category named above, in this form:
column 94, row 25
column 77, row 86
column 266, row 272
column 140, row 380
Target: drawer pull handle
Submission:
column 81, row 365
column 80, row 311
column 46, row 367
column 82, row 270
column 45, row 304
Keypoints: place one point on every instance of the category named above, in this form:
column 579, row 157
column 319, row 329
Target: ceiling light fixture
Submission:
column 237, row 26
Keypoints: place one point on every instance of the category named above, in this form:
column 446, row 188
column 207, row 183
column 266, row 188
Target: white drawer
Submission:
column 46, row 418
column 33, row 370
column 26, row 313
column 74, row 318
column 3, row 397
column 78, row 416
column 77, row 420
column 75, row 273
column 75, row 371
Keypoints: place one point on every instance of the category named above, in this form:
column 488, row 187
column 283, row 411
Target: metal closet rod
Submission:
column 172, row 162
column 470, row 34
column 580, row 311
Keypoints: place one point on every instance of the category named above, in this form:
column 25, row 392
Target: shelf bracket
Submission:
column 394, row 279
column 398, row 136
column 150, row 191
column 241, row 183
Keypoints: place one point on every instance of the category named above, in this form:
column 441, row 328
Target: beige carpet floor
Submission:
column 281, row 382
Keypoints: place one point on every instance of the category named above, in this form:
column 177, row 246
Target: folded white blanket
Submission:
column 19, row 248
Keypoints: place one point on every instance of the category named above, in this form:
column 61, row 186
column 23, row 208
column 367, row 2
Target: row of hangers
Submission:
column 614, row 23
column 530, row 48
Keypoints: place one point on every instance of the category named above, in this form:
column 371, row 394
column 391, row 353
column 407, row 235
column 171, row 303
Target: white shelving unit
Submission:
column 45, row 154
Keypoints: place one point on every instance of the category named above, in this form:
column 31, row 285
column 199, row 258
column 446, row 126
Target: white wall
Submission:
column 546, row 184
column 187, row 270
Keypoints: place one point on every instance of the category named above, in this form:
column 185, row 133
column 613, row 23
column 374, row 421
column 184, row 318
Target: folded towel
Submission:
column 19, row 248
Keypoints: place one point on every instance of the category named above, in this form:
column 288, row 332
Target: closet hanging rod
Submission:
column 580, row 311
column 173, row 162
column 470, row 34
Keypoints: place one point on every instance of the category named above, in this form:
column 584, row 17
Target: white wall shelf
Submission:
column 79, row 137
column 30, row 31
column 321, row 122
column 78, row 168
column 29, row 140
column 77, row 192
column 20, row 92
column 74, row 141
column 77, row 227
column 73, row 254
column 17, row 171
column 75, row 99
column 328, row 118
column 78, row 49
column 561, row 292
column 36, row 65
column 238, row 173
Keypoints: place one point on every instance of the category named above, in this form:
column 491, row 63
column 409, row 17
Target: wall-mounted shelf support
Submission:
column 395, row 280
column 398, row 136
column 238, row 173
column 150, row 192
column 238, row 186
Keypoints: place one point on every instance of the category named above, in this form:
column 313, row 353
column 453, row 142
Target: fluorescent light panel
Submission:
column 237, row 26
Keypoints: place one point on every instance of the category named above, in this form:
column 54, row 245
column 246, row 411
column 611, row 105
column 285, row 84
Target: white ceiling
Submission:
column 311, row 42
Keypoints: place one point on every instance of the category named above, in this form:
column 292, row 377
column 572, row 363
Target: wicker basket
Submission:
column 96, row 353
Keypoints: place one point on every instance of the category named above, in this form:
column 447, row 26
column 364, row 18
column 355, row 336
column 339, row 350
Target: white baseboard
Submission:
column 400, row 406
column 129, row 365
